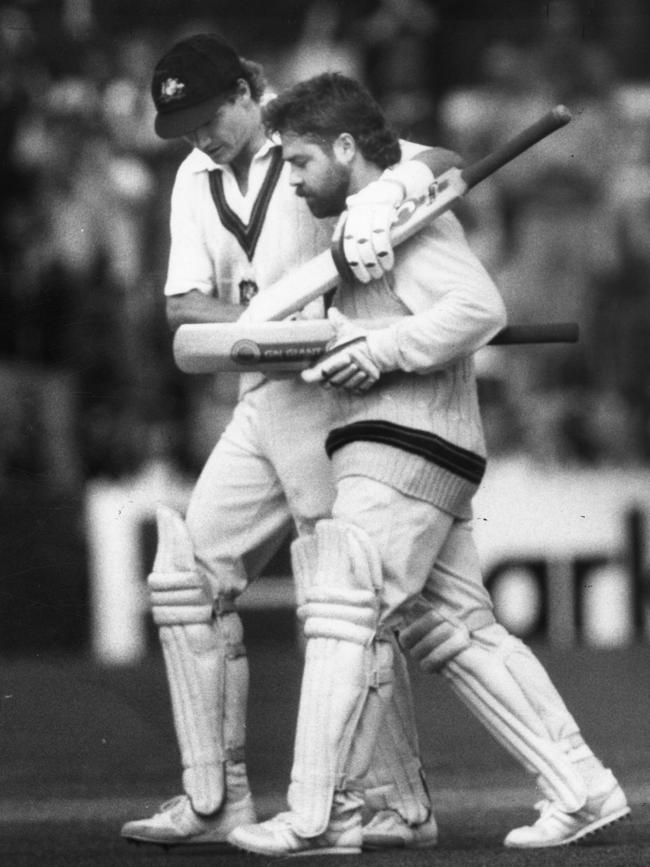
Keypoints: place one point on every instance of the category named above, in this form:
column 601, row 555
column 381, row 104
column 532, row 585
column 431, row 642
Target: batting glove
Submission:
column 365, row 226
column 348, row 363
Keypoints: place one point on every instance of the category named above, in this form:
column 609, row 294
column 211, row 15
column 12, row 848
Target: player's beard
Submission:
column 329, row 200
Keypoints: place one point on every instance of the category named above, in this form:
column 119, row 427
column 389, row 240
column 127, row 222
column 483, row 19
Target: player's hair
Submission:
column 255, row 78
column 323, row 107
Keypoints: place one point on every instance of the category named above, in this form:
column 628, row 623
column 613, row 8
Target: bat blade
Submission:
column 268, row 346
column 293, row 345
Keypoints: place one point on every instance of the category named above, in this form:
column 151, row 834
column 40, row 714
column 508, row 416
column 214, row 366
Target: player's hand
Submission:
column 347, row 363
column 365, row 229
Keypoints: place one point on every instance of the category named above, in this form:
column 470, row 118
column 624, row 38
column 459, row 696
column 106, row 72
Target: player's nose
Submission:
column 295, row 179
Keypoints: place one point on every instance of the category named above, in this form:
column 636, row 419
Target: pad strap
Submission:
column 396, row 778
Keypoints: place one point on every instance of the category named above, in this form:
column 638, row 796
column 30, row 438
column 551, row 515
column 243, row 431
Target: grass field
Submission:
column 85, row 748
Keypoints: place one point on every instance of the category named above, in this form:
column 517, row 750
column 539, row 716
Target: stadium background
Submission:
column 93, row 409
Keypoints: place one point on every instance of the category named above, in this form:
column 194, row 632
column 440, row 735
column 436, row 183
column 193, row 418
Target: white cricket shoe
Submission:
column 276, row 837
column 555, row 827
column 176, row 824
column 388, row 830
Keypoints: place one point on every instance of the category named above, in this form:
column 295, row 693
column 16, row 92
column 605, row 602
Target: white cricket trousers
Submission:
column 429, row 557
column 268, row 471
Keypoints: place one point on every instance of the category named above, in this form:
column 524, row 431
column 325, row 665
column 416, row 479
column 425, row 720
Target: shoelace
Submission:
column 284, row 819
column 379, row 818
column 166, row 806
column 549, row 810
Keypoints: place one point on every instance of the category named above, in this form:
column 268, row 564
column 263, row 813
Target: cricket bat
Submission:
column 322, row 273
column 292, row 345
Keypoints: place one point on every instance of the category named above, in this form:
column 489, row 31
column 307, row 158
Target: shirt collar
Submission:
column 197, row 161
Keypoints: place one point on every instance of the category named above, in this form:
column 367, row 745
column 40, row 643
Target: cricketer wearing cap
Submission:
column 236, row 227
column 408, row 453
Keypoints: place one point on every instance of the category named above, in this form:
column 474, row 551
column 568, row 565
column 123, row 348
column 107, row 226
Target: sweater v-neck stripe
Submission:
column 247, row 234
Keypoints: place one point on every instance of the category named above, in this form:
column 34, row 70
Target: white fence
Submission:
column 588, row 528
column 585, row 527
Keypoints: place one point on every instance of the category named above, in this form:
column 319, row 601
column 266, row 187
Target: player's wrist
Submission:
column 414, row 177
column 407, row 180
column 382, row 349
column 389, row 192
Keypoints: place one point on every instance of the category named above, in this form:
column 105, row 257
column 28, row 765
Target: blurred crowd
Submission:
column 565, row 230
column 87, row 377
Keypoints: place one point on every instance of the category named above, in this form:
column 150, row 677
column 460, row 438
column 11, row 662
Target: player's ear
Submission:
column 345, row 148
column 242, row 89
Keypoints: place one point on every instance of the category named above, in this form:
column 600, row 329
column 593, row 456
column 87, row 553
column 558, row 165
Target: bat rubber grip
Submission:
column 336, row 249
column 545, row 332
column 548, row 123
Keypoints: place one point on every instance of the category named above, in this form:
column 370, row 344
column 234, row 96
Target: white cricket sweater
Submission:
column 419, row 428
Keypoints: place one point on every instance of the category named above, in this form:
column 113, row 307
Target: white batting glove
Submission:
column 365, row 226
column 366, row 230
column 348, row 363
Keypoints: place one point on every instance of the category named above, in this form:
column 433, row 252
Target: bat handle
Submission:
column 548, row 123
column 543, row 332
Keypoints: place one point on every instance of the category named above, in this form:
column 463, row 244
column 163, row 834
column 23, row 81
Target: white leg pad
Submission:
column 206, row 666
column 347, row 673
column 396, row 778
column 494, row 679
column 533, row 680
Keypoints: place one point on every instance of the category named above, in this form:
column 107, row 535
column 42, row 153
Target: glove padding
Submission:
column 366, row 231
column 365, row 225
column 348, row 363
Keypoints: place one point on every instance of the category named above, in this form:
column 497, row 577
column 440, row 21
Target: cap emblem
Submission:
column 171, row 89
